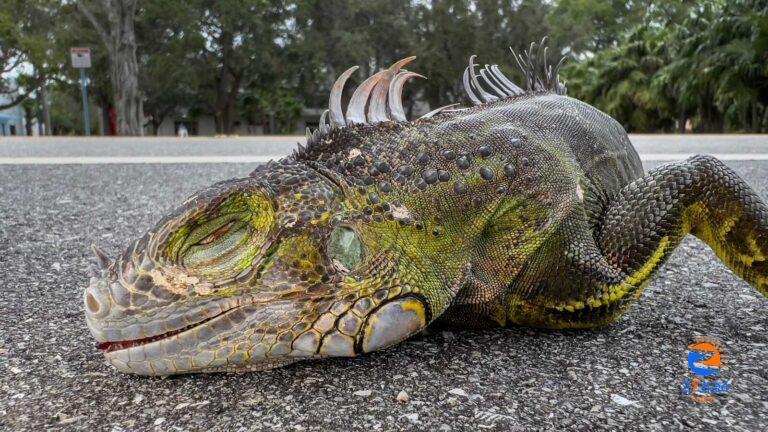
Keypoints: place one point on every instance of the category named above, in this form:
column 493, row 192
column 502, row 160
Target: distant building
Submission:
column 11, row 119
column 202, row 125
column 205, row 125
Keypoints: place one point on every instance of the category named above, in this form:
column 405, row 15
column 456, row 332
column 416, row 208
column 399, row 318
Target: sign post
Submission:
column 81, row 59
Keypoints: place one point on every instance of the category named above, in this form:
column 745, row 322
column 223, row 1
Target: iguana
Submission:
column 529, row 208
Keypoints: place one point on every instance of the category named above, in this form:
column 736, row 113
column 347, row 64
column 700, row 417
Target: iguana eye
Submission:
column 215, row 239
column 219, row 233
column 345, row 248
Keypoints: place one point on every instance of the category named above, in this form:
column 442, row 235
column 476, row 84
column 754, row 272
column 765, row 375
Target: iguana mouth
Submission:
column 111, row 346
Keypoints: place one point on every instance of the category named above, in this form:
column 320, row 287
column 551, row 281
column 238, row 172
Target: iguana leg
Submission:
column 596, row 279
column 699, row 196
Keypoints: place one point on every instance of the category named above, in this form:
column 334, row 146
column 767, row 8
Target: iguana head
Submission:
column 296, row 261
column 259, row 272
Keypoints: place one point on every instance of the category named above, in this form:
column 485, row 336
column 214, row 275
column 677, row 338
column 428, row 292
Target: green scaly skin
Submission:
column 530, row 210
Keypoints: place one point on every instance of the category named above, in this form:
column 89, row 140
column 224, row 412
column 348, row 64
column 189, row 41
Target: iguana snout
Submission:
column 251, row 274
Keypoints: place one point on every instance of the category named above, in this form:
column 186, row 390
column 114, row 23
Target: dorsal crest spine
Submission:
column 379, row 98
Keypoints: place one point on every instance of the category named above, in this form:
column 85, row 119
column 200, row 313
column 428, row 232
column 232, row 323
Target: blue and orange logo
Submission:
column 706, row 362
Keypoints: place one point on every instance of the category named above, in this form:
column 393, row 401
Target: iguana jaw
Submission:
column 254, row 335
column 111, row 346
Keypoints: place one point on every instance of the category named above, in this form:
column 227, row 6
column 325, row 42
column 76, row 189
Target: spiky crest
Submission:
column 491, row 85
column 382, row 92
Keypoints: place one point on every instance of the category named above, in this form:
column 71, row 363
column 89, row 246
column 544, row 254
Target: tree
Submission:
column 26, row 37
column 114, row 21
column 30, row 112
column 594, row 25
column 701, row 64
column 12, row 54
column 724, row 45
column 327, row 37
column 170, row 45
column 241, row 43
column 620, row 81
column 38, row 24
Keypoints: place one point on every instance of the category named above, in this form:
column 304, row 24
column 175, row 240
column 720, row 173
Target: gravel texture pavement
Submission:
column 56, row 146
column 623, row 377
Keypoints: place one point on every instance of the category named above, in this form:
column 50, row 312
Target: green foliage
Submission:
column 278, row 109
column 592, row 25
column 328, row 36
column 74, row 30
column 722, row 44
column 27, row 37
column 703, row 66
column 170, row 45
column 66, row 111
column 620, row 81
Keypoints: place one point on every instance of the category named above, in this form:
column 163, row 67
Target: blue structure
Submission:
column 11, row 120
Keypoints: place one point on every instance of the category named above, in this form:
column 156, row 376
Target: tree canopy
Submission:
column 656, row 66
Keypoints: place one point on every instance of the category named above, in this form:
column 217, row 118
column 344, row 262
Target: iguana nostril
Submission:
column 92, row 304
column 96, row 307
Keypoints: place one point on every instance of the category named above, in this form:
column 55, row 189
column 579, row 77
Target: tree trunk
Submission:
column 100, row 120
column 28, row 117
column 231, row 106
column 46, row 107
column 140, row 114
column 109, row 128
column 40, row 122
column 226, row 102
column 119, row 37
column 226, row 120
column 755, row 120
column 124, row 66
column 681, row 120
column 40, row 130
column 228, row 85
column 222, row 114
column 105, row 127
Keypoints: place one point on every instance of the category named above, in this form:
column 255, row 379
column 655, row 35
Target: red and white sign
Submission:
column 81, row 57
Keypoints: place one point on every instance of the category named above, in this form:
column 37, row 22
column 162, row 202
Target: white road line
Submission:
column 102, row 160
column 721, row 156
column 99, row 160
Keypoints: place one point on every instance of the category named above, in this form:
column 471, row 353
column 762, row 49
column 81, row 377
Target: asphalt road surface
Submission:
column 623, row 377
column 259, row 149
